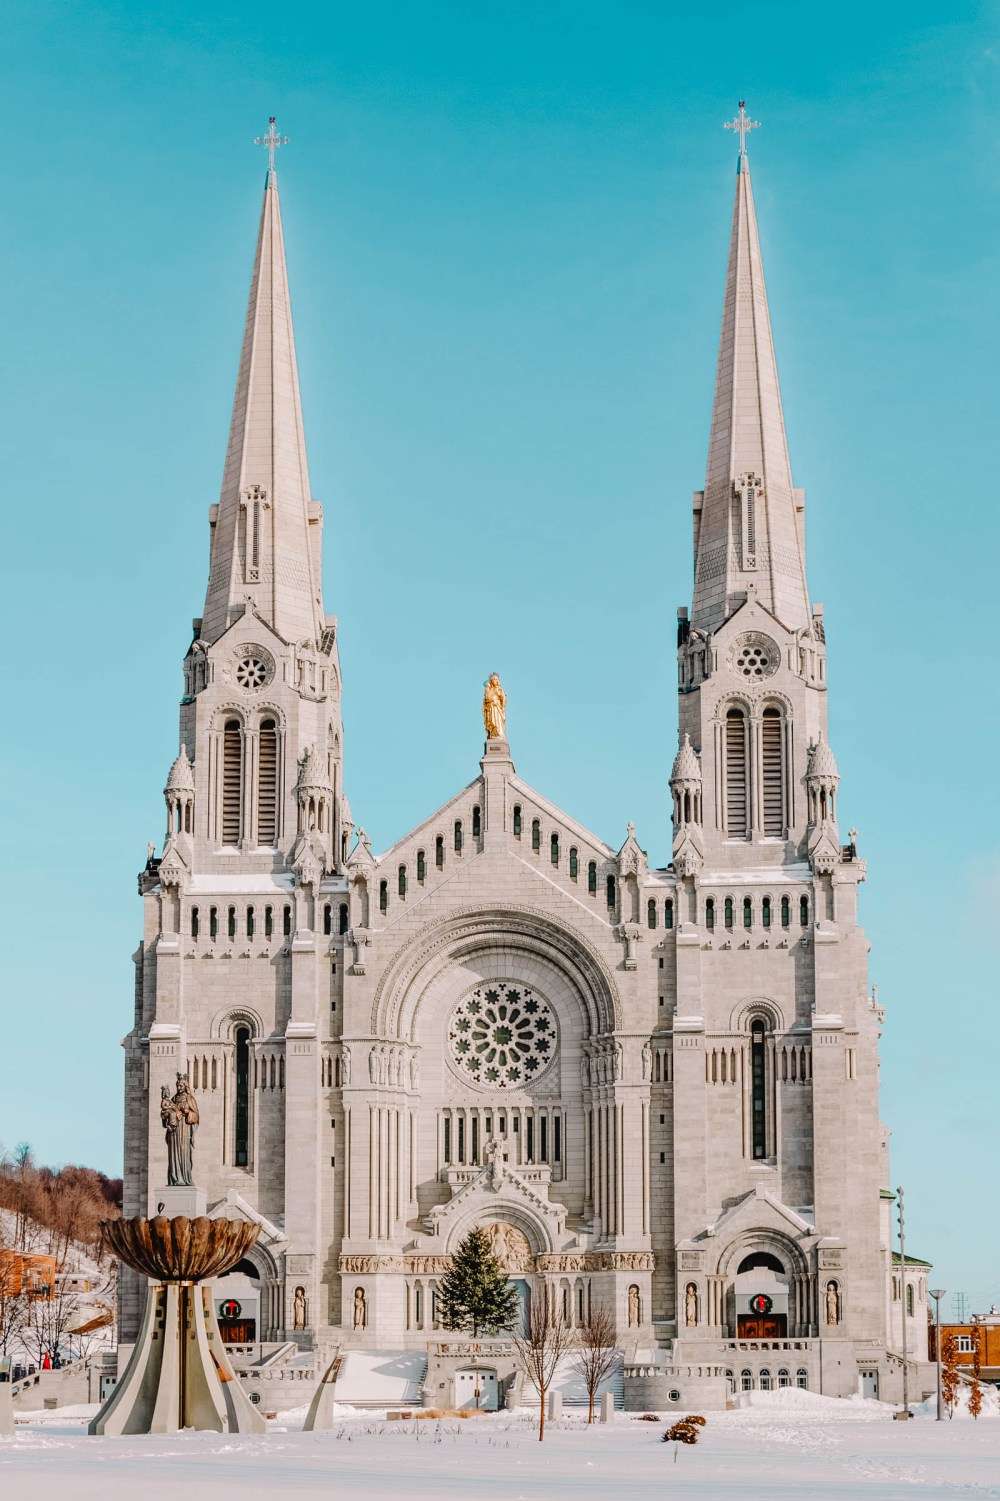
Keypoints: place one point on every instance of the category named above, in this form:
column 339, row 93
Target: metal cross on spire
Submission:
column 743, row 125
column 272, row 141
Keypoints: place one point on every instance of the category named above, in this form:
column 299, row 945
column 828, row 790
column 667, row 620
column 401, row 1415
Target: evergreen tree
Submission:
column 474, row 1295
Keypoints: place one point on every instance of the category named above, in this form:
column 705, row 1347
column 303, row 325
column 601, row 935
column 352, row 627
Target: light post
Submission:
column 906, row 1413
column 937, row 1293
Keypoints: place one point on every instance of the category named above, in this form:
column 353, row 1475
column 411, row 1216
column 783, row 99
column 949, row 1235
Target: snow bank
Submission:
column 991, row 1405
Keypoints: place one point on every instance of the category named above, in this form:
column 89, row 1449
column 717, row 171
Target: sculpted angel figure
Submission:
column 494, row 707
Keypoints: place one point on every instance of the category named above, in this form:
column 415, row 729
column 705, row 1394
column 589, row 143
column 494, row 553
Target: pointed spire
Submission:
column 750, row 530
column 265, row 545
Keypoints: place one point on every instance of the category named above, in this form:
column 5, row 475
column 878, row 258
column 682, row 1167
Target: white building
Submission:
column 678, row 1067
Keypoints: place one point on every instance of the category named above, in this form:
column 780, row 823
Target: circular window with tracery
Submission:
column 252, row 667
column 755, row 657
column 502, row 1035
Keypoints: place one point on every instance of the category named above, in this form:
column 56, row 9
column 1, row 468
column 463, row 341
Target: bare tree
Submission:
column 539, row 1348
column 13, row 1303
column 596, row 1352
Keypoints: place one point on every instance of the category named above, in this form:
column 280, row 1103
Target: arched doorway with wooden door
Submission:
column 760, row 1293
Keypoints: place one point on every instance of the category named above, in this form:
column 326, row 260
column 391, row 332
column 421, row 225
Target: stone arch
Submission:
column 521, row 1217
column 480, row 930
column 745, row 1012
column 784, row 1247
column 225, row 1022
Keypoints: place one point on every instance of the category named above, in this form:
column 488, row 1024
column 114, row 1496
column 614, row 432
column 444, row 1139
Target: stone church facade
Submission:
column 658, row 1088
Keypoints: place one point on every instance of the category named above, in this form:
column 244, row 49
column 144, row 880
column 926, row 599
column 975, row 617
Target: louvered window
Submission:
column 772, row 774
column 736, row 775
column 267, row 784
column 232, row 781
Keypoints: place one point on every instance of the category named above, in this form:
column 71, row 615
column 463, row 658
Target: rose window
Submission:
column 756, row 657
column 251, row 672
column 502, row 1036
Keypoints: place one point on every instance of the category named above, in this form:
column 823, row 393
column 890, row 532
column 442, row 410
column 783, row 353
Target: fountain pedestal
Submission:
column 179, row 1375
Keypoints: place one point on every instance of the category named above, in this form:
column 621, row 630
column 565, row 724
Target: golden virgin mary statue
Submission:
column 494, row 707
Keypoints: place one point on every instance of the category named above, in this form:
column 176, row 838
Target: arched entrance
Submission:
column 761, row 1294
column 237, row 1304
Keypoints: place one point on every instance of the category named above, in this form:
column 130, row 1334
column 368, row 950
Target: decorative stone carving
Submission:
column 510, row 1246
column 360, row 1309
column 299, row 1309
column 691, row 1305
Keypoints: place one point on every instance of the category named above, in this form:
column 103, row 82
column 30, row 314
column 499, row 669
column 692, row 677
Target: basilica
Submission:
column 657, row 1088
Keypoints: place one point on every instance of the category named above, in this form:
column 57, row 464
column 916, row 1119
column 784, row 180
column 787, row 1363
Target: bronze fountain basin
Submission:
column 180, row 1249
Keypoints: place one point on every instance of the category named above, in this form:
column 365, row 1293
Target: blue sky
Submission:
column 506, row 228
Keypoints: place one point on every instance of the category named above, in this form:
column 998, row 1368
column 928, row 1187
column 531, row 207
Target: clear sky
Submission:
column 506, row 229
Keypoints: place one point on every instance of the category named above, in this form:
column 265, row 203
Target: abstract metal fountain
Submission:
column 179, row 1375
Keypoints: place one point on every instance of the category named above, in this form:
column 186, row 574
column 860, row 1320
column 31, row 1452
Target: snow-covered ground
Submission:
column 790, row 1445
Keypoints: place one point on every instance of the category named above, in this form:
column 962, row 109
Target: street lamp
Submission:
column 937, row 1293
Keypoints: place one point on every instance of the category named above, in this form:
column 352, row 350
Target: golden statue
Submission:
column 494, row 707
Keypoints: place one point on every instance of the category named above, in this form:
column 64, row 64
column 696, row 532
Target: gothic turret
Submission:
column 685, row 787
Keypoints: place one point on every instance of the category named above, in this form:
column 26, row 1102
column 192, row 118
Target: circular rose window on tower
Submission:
column 754, row 656
column 502, row 1035
column 251, row 667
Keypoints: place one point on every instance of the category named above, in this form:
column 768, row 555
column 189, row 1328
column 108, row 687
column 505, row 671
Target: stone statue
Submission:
column 493, row 1161
column 345, row 1064
column 509, row 1245
column 691, row 1305
column 832, row 1303
column 360, row 1309
column 494, row 707
column 633, row 1307
column 179, row 1117
column 299, row 1308
column 647, row 1058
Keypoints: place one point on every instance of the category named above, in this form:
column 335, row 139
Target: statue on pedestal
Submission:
column 180, row 1118
column 494, row 707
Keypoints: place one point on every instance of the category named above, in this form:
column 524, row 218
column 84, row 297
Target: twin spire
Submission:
column 749, row 531
column 267, row 528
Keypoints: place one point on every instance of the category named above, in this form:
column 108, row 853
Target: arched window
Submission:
column 909, row 1299
column 611, row 891
column 731, row 1382
column 213, row 922
column 710, row 913
column 194, row 922
column 592, row 877
column 517, row 820
column 241, row 1123
column 574, row 863
column 477, row 822
column 761, row 1261
column 765, row 911
column 421, row 867
column 784, row 1379
column 758, row 1090
column 772, row 773
column 668, row 913
column 765, row 1380
column 737, row 801
column 383, row 896
column 342, row 919
column 267, row 783
column 536, row 835
column 554, row 848
column 439, row 852
column 802, row 1379
column 458, row 836
column 231, row 922
column 401, row 883
column 746, row 1381
column 250, row 922
column 747, row 912
column 804, row 911
column 651, row 913
column 786, row 912
column 286, row 920
column 232, row 781
column 728, row 912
